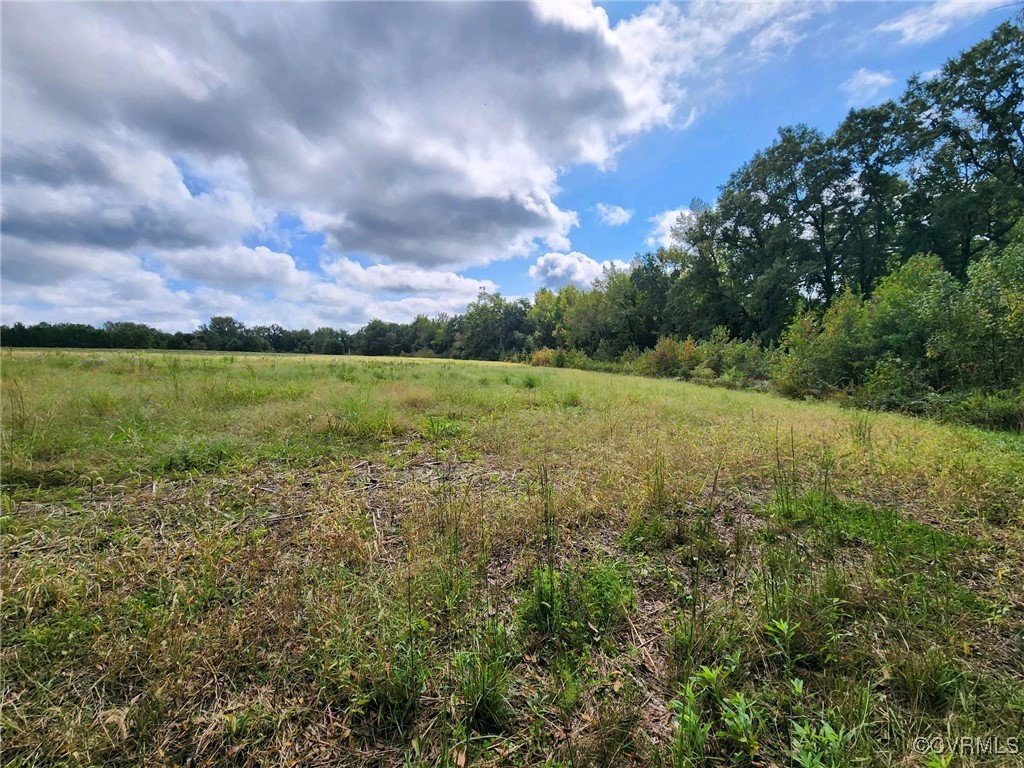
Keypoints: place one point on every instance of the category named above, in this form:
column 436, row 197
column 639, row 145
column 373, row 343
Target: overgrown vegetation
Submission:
column 217, row 559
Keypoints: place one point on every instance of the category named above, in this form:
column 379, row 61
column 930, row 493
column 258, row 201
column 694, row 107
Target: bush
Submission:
column 703, row 374
column 893, row 385
column 572, row 358
column 793, row 365
column 712, row 349
column 743, row 362
column 666, row 359
column 544, row 357
column 996, row 410
column 690, row 357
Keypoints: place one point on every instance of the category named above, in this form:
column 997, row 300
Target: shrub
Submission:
column 703, row 374
column 666, row 359
column 894, row 385
column 743, row 361
column 544, row 357
column 713, row 348
column 572, row 358
column 996, row 410
column 689, row 357
column 793, row 365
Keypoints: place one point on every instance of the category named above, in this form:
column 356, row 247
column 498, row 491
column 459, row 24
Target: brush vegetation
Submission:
column 252, row 560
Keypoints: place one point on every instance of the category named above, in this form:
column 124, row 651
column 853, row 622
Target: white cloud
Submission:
column 613, row 215
column 863, row 85
column 780, row 37
column 661, row 233
column 238, row 268
column 319, row 221
column 554, row 270
column 397, row 279
column 182, row 135
column 27, row 264
column 132, row 293
column 122, row 197
column 932, row 20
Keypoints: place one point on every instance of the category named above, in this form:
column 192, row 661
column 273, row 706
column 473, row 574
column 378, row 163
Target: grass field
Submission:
column 216, row 559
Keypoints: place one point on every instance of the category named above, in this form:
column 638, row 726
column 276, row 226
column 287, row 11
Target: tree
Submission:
column 700, row 297
column 874, row 148
column 493, row 328
column 378, row 337
column 968, row 138
column 977, row 104
column 761, row 251
column 543, row 318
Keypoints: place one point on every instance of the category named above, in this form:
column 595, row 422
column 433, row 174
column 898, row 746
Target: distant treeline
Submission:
column 221, row 333
column 884, row 263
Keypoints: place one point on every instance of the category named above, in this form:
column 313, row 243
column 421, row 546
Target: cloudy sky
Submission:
column 317, row 164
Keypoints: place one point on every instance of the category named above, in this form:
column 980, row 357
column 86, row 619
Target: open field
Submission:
column 215, row 559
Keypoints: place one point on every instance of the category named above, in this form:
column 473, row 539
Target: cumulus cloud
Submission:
column 183, row 134
column 661, row 232
column 237, row 268
column 613, row 215
column 932, row 20
column 864, row 84
column 396, row 279
column 120, row 197
column 554, row 270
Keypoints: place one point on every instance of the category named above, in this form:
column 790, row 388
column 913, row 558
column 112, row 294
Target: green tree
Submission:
column 874, row 148
column 968, row 136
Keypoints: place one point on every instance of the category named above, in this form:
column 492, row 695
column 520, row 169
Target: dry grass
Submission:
column 262, row 560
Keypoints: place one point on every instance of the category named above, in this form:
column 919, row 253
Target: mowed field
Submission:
column 214, row 559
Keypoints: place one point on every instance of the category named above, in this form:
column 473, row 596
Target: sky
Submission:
column 324, row 164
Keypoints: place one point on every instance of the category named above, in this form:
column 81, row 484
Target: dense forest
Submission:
column 883, row 263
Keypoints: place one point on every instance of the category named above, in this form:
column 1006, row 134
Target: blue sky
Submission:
column 323, row 164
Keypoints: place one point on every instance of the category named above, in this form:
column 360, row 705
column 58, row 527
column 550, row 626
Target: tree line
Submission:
column 883, row 261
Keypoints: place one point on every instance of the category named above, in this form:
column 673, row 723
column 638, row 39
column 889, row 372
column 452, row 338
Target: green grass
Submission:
column 256, row 560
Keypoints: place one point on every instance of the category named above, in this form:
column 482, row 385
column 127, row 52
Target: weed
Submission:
column 438, row 428
column 928, row 680
column 577, row 606
column 483, row 679
column 646, row 532
column 571, row 398
column 571, row 684
column 696, row 641
column 741, row 724
column 688, row 747
column 820, row 746
column 101, row 402
column 782, row 635
column 612, row 733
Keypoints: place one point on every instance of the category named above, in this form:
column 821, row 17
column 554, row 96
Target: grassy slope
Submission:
column 291, row 560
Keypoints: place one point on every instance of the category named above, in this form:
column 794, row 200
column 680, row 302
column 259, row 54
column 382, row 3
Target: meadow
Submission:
column 272, row 560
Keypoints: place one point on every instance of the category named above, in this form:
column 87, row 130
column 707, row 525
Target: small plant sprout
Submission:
column 740, row 727
column 689, row 742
